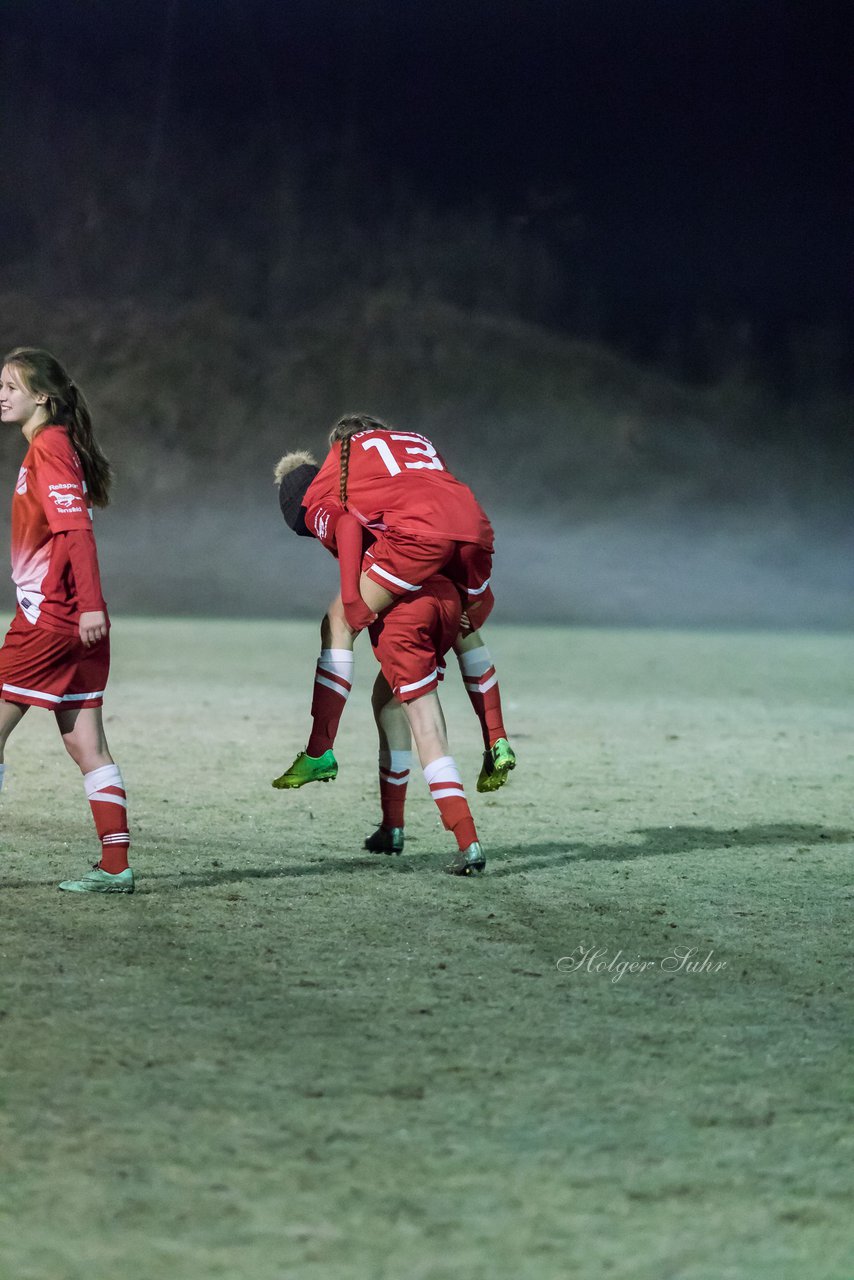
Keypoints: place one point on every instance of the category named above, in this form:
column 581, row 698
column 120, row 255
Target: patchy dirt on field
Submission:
column 624, row 1052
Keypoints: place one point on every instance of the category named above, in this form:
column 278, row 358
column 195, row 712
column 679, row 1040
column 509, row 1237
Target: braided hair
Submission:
column 343, row 431
column 344, row 468
column 42, row 374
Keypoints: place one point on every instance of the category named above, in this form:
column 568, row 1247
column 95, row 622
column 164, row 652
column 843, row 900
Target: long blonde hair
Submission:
column 43, row 375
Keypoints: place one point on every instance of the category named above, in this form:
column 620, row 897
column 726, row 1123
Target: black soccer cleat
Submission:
column 468, row 862
column 385, row 840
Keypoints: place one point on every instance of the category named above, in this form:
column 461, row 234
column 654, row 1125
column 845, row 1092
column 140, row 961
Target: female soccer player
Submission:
column 420, row 520
column 56, row 653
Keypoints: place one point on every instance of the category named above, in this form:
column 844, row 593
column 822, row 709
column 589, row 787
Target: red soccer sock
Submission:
column 481, row 684
column 333, row 679
column 446, row 788
column 394, row 775
column 105, row 792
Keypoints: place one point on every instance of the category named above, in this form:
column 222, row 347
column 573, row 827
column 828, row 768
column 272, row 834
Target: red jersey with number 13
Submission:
column 396, row 480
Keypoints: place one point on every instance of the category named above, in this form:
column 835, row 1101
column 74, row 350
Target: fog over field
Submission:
column 627, row 567
column 604, row 513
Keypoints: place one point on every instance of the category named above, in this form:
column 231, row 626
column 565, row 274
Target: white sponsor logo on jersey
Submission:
column 66, row 501
column 321, row 523
column 21, row 485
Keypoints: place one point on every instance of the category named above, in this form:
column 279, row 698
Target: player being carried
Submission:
column 416, row 519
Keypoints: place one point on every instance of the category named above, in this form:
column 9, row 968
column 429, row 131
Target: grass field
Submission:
column 285, row 1058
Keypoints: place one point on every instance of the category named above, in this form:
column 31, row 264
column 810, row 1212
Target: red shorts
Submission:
column 412, row 636
column 52, row 669
column 401, row 563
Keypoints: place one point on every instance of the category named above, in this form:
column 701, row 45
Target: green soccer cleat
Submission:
column 98, row 881
column 308, row 769
column 468, row 862
column 498, row 761
column 385, row 840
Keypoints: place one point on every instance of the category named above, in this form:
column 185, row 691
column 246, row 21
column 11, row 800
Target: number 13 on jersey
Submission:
column 414, row 445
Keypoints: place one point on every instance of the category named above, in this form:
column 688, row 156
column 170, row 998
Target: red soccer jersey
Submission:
column 396, row 480
column 50, row 500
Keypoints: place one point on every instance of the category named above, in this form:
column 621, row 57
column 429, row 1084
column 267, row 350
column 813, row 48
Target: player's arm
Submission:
column 83, row 557
column 349, row 544
column 60, row 488
column 322, row 520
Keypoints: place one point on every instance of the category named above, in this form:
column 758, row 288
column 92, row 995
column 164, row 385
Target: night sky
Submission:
column 696, row 152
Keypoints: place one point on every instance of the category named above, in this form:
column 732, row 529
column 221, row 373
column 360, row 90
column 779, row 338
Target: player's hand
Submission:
column 93, row 627
column 358, row 614
column 466, row 627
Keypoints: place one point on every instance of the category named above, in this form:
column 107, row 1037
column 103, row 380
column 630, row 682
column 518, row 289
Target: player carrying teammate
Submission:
column 410, row 639
column 420, row 520
column 56, row 653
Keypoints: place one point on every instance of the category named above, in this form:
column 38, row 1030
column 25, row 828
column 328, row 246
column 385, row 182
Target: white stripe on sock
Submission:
column 338, row 662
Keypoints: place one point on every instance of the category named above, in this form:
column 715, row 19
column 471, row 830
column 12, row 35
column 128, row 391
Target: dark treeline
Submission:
column 223, row 298
column 120, row 210
column 161, row 209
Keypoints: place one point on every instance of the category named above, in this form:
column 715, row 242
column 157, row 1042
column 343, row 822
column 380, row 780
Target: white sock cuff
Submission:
column 442, row 770
column 336, row 655
column 474, row 662
column 338, row 661
column 108, row 775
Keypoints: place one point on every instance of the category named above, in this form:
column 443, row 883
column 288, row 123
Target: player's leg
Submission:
column 481, row 684
column 397, row 564
column 12, row 664
column 470, row 568
column 82, row 730
column 377, row 598
column 11, row 714
column 395, row 759
column 442, row 776
column 333, row 680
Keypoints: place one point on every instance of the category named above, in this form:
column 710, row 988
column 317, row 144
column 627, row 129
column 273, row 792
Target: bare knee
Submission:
column 82, row 733
column 11, row 714
column 467, row 640
column 382, row 698
column 86, row 756
column 335, row 633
